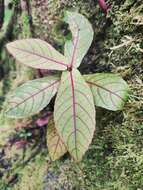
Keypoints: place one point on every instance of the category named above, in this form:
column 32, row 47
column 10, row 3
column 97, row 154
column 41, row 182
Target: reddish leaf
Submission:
column 55, row 144
column 20, row 144
column 43, row 120
column 103, row 6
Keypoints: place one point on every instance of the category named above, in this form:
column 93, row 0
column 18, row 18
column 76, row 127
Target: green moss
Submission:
column 32, row 176
column 26, row 32
column 7, row 19
column 6, row 128
column 114, row 160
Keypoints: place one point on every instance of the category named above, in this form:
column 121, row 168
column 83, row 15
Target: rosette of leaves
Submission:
column 73, row 123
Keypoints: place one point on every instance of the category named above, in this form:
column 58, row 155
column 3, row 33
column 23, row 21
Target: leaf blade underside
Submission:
column 32, row 97
column 74, row 113
column 38, row 54
column 55, row 145
column 109, row 90
column 82, row 36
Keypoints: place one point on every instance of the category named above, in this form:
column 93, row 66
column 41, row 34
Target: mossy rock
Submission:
column 32, row 176
column 114, row 159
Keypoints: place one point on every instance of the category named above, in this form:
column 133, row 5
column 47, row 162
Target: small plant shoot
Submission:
column 72, row 126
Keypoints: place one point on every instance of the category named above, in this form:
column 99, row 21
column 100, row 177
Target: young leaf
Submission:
column 103, row 5
column 38, row 54
column 110, row 91
column 32, row 97
column 74, row 113
column 44, row 120
column 55, row 145
column 82, row 34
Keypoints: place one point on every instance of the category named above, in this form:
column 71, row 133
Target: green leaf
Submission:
column 110, row 91
column 38, row 54
column 32, row 97
column 74, row 113
column 55, row 145
column 82, row 36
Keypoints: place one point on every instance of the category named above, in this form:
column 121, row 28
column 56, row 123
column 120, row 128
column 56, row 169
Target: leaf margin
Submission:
column 9, row 113
column 76, row 158
column 30, row 50
column 89, row 78
column 52, row 136
column 75, row 39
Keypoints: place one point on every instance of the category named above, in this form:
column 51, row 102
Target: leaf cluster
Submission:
column 72, row 125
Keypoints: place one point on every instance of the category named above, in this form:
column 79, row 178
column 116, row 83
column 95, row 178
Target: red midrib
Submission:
column 56, row 146
column 48, row 58
column 74, row 109
column 95, row 84
column 75, row 47
column 34, row 94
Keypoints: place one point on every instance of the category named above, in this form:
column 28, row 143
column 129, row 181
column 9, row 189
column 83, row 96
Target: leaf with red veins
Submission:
column 109, row 90
column 74, row 113
column 82, row 36
column 38, row 54
column 55, row 145
column 31, row 97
